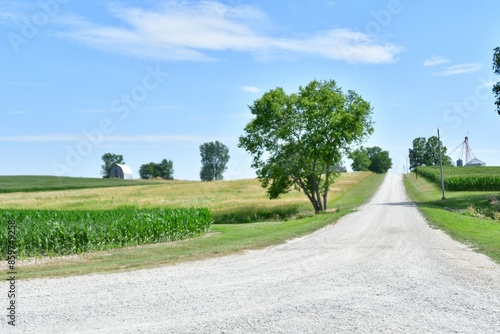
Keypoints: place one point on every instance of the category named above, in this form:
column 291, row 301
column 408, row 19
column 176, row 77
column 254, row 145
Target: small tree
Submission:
column 164, row 169
column 416, row 154
column 380, row 162
column 214, row 159
column 167, row 169
column 296, row 139
column 110, row 160
column 149, row 170
column 496, row 70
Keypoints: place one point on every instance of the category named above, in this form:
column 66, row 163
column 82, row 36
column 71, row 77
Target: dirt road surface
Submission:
column 381, row 269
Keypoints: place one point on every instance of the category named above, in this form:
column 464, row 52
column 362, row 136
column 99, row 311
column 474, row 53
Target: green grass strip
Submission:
column 452, row 215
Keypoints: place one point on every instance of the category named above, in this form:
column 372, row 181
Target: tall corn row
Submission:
column 53, row 232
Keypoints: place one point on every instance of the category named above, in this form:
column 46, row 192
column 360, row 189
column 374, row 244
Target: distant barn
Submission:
column 120, row 172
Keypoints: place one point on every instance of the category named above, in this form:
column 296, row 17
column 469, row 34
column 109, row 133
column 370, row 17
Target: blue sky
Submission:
column 155, row 79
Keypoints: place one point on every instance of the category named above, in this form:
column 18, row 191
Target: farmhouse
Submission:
column 120, row 171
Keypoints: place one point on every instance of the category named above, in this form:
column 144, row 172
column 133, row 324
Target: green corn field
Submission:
column 59, row 232
column 466, row 178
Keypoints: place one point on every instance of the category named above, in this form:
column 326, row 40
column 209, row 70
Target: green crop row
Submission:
column 30, row 183
column 464, row 178
column 54, row 232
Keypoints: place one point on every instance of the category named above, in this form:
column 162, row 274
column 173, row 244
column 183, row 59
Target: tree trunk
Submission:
column 327, row 185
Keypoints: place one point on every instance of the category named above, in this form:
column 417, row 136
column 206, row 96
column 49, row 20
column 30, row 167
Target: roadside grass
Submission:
column 221, row 239
column 458, row 215
column 37, row 183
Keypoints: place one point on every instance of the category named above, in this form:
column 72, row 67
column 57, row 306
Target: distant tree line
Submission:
column 214, row 159
column 152, row 170
column 372, row 159
column 425, row 152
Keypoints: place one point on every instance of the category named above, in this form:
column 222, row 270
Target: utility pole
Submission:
column 441, row 165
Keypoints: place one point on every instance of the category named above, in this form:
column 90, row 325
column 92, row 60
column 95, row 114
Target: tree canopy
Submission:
column 214, row 159
column 372, row 159
column 164, row 169
column 110, row 160
column 425, row 152
column 496, row 70
column 296, row 139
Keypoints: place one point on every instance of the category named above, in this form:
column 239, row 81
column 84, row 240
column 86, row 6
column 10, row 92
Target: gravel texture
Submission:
column 381, row 269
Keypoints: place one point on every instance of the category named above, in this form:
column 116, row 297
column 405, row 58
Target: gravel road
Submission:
column 381, row 269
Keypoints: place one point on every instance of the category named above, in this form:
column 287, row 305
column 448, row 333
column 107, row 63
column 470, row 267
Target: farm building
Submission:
column 120, row 172
column 470, row 158
column 476, row 162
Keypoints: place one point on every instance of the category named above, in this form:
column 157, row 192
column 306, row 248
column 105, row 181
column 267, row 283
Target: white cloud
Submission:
column 488, row 84
column 41, row 138
column 161, row 108
column 24, row 83
column 197, row 31
column 90, row 111
column 44, row 138
column 16, row 112
column 435, row 60
column 460, row 69
column 12, row 12
column 155, row 139
column 251, row 89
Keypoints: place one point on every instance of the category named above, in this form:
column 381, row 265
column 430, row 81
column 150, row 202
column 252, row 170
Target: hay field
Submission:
column 229, row 201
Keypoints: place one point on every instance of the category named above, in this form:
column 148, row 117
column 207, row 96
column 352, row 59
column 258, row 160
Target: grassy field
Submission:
column 31, row 183
column 240, row 201
column 468, row 217
column 350, row 191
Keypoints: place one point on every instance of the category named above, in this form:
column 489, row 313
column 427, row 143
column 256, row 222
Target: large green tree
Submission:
column 496, row 69
column 110, row 160
column 296, row 139
column 214, row 159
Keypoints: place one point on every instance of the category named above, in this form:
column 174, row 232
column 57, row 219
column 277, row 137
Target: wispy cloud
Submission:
column 488, row 84
column 460, row 69
column 16, row 112
column 24, row 83
column 90, row 111
column 435, row 60
column 44, row 138
column 161, row 108
column 192, row 31
column 251, row 89
column 13, row 12
column 156, row 139
column 41, row 138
